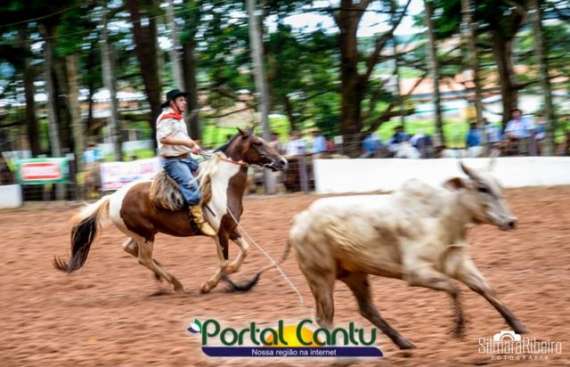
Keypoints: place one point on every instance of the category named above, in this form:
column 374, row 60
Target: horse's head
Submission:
column 252, row 149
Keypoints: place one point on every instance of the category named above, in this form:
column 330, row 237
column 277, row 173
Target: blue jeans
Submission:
column 181, row 170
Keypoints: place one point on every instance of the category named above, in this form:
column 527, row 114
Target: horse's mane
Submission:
column 225, row 147
column 165, row 192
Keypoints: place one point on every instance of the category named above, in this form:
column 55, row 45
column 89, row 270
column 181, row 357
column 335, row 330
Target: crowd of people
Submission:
column 521, row 136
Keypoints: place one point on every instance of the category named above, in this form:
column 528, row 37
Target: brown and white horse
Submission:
column 133, row 210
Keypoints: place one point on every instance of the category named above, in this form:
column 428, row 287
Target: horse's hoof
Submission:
column 206, row 288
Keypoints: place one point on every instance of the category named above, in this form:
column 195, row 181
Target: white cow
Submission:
column 417, row 234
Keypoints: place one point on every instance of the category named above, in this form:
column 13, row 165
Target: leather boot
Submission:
column 198, row 216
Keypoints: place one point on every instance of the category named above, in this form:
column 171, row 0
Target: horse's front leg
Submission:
column 234, row 266
column 221, row 249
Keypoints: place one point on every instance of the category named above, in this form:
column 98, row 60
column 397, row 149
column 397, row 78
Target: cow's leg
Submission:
column 471, row 277
column 360, row 287
column 221, row 250
column 234, row 266
column 145, row 258
column 322, row 287
column 422, row 274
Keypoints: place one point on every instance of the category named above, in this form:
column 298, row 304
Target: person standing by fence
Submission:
column 520, row 134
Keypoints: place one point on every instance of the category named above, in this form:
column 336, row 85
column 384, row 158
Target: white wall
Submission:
column 10, row 196
column 362, row 175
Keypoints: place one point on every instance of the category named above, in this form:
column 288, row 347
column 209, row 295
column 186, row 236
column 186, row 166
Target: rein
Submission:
column 208, row 156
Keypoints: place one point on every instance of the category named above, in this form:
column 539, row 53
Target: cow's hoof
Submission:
column 518, row 327
column 179, row 289
column 459, row 331
column 404, row 343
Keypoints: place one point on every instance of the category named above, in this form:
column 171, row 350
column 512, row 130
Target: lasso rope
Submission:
column 271, row 259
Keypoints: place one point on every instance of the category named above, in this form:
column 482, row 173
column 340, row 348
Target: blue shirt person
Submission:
column 473, row 137
column 520, row 127
column 319, row 143
column 371, row 145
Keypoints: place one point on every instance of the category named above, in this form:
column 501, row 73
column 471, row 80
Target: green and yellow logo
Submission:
column 300, row 339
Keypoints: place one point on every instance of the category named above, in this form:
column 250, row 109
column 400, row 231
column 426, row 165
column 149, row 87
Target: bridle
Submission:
column 225, row 158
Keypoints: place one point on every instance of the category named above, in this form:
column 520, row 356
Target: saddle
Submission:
column 165, row 192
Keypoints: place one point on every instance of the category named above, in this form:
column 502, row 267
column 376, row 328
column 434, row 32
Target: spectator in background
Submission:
column 473, row 141
column 407, row 150
column 370, row 146
column 296, row 145
column 493, row 134
column 319, row 142
column 274, row 142
column 92, row 155
column 331, row 146
column 399, row 137
column 518, row 132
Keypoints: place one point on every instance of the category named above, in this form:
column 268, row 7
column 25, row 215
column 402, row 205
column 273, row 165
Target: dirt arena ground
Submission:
column 106, row 314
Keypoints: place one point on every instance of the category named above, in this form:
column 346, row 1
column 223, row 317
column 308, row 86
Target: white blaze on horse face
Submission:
column 220, row 183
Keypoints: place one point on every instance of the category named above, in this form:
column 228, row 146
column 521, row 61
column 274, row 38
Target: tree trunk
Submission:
column 352, row 90
column 503, row 57
column 191, row 86
column 256, row 47
column 110, row 83
column 434, row 70
column 174, row 50
column 50, row 90
column 29, row 91
column 146, row 50
column 401, row 103
column 91, row 60
column 541, row 51
column 62, row 105
column 470, row 38
column 293, row 124
column 47, row 32
column 77, row 126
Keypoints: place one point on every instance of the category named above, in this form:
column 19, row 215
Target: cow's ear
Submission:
column 455, row 183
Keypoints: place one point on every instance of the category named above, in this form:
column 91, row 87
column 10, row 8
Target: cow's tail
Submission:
column 87, row 224
column 247, row 285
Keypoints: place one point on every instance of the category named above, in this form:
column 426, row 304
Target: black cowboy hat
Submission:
column 172, row 95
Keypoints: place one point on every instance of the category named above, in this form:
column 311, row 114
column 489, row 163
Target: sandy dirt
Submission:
column 108, row 313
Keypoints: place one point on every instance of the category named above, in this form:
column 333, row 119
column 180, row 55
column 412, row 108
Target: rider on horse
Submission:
column 174, row 148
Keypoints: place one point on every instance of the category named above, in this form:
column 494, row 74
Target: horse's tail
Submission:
column 247, row 285
column 84, row 231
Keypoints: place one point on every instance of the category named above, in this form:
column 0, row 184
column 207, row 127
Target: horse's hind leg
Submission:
column 145, row 258
column 131, row 247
